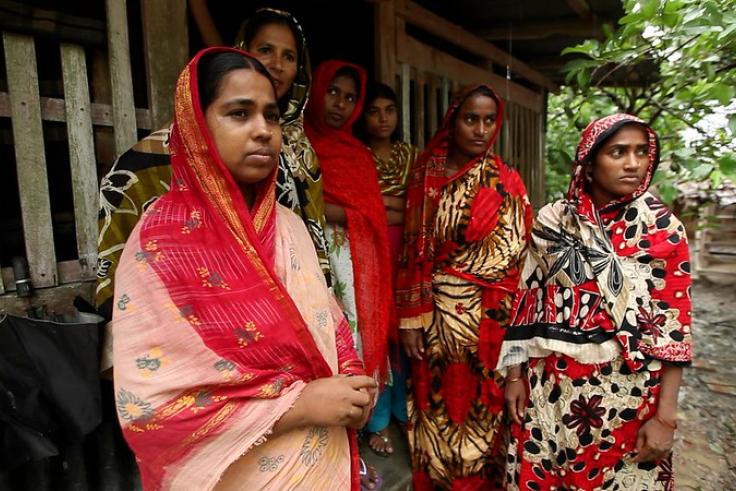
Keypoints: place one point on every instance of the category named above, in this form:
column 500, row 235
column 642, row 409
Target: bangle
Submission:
column 672, row 426
column 512, row 380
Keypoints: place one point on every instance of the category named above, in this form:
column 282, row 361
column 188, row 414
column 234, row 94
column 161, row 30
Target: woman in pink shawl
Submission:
column 232, row 359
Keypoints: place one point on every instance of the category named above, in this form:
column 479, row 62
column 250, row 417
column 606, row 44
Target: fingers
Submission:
column 419, row 345
column 362, row 382
column 521, row 406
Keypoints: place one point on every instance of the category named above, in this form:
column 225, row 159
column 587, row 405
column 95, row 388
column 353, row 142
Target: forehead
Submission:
column 630, row 134
column 344, row 83
column 478, row 103
column 275, row 33
column 382, row 102
column 245, row 84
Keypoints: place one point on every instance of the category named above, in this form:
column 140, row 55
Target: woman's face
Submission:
column 274, row 46
column 342, row 94
column 243, row 120
column 381, row 117
column 621, row 164
column 474, row 125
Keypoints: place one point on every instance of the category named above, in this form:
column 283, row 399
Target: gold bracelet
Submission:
column 511, row 381
column 672, row 426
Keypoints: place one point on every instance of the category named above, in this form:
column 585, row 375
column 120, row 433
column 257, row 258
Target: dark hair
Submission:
column 482, row 90
column 351, row 72
column 376, row 90
column 213, row 68
column 265, row 18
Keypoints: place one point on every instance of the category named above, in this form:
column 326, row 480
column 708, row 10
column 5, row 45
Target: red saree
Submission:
column 205, row 328
column 463, row 239
column 351, row 182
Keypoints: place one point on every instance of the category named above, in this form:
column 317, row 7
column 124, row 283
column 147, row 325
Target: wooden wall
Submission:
column 425, row 77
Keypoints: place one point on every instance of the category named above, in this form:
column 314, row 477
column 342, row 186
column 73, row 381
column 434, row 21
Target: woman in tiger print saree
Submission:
column 466, row 225
column 601, row 325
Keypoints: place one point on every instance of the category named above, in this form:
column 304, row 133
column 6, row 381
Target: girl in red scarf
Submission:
column 357, row 228
column 466, row 225
column 601, row 327
column 231, row 356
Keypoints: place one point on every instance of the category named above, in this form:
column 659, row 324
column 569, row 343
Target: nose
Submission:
column 340, row 102
column 382, row 117
column 481, row 129
column 276, row 62
column 633, row 161
column 262, row 130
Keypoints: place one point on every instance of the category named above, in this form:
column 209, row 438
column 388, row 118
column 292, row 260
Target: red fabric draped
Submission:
column 215, row 257
column 351, row 182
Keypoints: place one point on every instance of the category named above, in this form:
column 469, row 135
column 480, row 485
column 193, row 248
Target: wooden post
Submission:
column 385, row 40
column 445, row 96
column 81, row 155
column 25, row 110
column 432, row 106
column 405, row 96
column 123, row 105
column 419, row 110
column 166, row 49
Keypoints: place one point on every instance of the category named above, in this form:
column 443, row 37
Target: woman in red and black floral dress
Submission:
column 601, row 325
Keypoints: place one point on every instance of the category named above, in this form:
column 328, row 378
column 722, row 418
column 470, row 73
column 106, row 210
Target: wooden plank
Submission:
column 385, row 40
column 404, row 95
column 453, row 33
column 59, row 299
column 68, row 272
column 445, row 96
column 432, row 104
column 428, row 59
column 419, row 109
column 123, row 106
column 166, row 51
column 81, row 155
column 25, row 112
column 570, row 28
column 54, row 109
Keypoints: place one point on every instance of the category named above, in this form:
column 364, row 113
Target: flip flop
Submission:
column 364, row 473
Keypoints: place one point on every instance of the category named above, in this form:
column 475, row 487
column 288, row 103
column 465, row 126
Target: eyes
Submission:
column 374, row 111
column 335, row 92
column 271, row 116
column 267, row 50
column 617, row 152
column 471, row 119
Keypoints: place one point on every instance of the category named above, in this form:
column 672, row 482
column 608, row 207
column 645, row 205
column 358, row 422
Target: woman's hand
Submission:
column 338, row 401
column 655, row 441
column 413, row 342
column 515, row 395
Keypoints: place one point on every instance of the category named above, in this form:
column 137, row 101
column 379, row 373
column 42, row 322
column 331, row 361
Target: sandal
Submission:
column 365, row 477
column 382, row 435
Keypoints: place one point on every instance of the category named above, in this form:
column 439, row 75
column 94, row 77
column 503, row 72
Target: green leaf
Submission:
column 630, row 18
column 727, row 165
column 722, row 92
column 607, row 30
column 583, row 79
column 716, row 178
column 667, row 192
column 670, row 20
column 585, row 49
column 649, row 8
column 702, row 171
column 732, row 124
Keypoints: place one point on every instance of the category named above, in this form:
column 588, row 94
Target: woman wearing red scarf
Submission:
column 601, row 326
column 357, row 227
column 230, row 355
column 467, row 221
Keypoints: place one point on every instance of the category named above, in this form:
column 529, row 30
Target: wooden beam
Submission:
column 22, row 18
column 53, row 109
column 30, row 159
column 166, row 51
column 405, row 96
column 123, row 106
column 419, row 111
column 581, row 9
column 541, row 30
column 385, row 40
column 81, row 155
column 455, row 34
column 428, row 59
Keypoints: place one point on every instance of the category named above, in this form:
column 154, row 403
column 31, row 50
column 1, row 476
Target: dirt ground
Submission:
column 705, row 458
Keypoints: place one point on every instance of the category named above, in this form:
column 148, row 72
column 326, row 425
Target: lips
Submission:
column 263, row 156
column 630, row 179
column 337, row 117
column 478, row 142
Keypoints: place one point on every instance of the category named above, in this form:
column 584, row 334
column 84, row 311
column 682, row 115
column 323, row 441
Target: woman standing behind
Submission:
column 467, row 222
column 602, row 325
column 378, row 128
column 356, row 218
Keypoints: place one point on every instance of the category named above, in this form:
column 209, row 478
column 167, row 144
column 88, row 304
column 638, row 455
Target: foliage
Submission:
column 670, row 62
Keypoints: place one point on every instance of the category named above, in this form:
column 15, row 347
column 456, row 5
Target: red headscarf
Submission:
column 351, row 181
